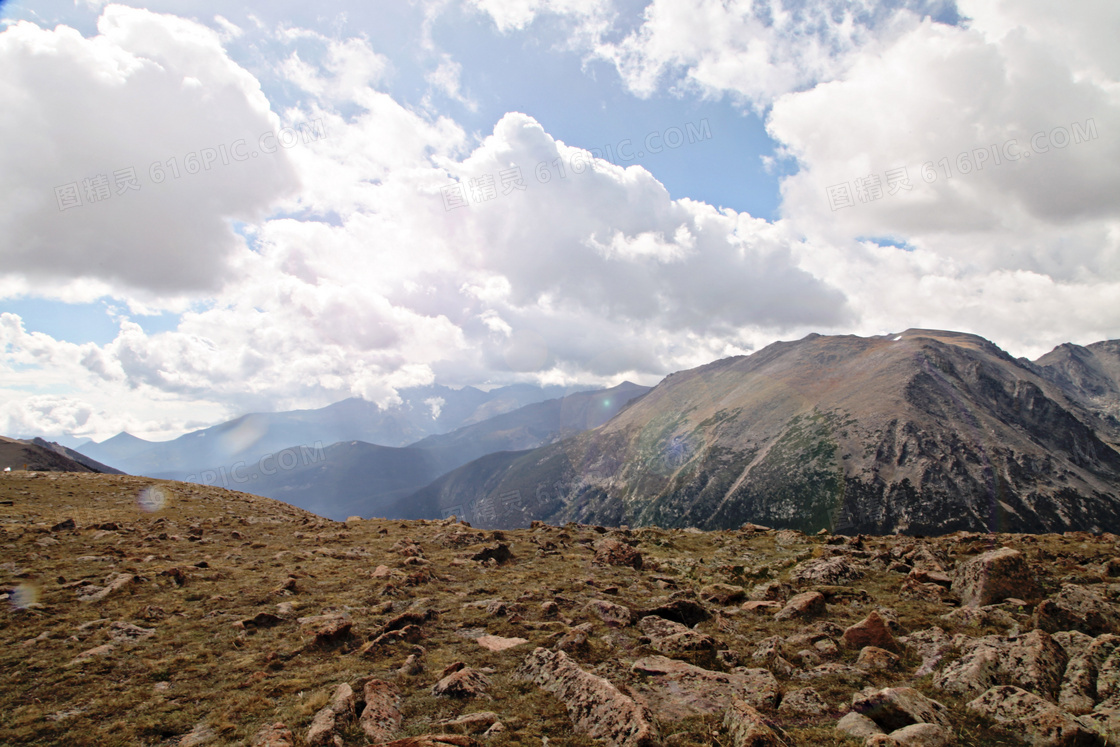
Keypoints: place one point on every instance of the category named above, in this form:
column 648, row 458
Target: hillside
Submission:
column 146, row 613
column 923, row 432
column 45, row 456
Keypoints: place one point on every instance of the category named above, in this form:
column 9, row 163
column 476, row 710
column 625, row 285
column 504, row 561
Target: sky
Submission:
column 208, row 208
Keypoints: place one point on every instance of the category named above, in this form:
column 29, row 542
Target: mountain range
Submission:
column 923, row 432
column 299, row 458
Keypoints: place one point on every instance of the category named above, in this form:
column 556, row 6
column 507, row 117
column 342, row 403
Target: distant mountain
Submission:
column 38, row 455
column 423, row 411
column 357, row 478
column 922, row 432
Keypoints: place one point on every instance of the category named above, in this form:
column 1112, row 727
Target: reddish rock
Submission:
column 895, row 707
column 1077, row 608
column 671, row 637
column 806, row 604
column 870, row 631
column 677, row 689
column 995, row 576
column 596, row 707
column 498, row 643
column 274, row 735
column 748, row 728
column 611, row 551
column 433, row 740
column 875, row 659
column 722, row 594
column 464, row 683
column 381, row 717
column 614, row 615
column 1045, row 724
column 762, row 608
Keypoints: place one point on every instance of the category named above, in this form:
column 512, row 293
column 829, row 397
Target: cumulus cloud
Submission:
column 127, row 168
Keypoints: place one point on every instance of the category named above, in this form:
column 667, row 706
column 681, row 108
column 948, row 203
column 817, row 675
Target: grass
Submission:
column 234, row 553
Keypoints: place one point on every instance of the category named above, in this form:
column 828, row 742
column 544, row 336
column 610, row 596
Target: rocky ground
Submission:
column 141, row 612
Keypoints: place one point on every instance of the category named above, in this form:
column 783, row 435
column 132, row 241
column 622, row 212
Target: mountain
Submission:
column 423, row 411
column 357, row 478
column 922, row 432
column 37, row 455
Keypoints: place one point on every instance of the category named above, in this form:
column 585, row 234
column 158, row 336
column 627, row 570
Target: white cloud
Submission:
column 150, row 93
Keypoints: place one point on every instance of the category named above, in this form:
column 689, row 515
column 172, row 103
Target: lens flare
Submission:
column 151, row 499
column 24, row 596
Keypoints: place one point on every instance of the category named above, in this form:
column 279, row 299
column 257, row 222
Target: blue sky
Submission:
column 840, row 178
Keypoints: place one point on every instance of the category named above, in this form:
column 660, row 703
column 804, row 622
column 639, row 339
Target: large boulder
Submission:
column 675, row 689
column 381, row 718
column 895, row 707
column 870, row 631
column 807, row 604
column 670, row 637
column 595, row 706
column 1033, row 662
column 1077, row 608
column 748, row 728
column 1043, row 723
column 995, row 576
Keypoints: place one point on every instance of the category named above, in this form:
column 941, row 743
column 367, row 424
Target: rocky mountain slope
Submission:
column 923, row 432
column 143, row 612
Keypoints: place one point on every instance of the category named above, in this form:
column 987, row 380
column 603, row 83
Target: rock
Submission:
column 262, row 620
column 748, row 728
column 381, row 717
column 412, row 666
column 464, row 683
column 65, row 524
column 326, row 629
column 575, row 639
column 498, row 552
column 895, row 707
column 611, row 551
column 1077, row 608
column 826, row 571
column 497, row 643
column 1034, row 662
column 931, row 644
column 1044, row 723
column 684, row 611
column 722, row 594
column 614, row 615
column 989, row 616
column 771, row 591
column 274, row 735
column 994, row 576
column 471, row 723
column 762, row 607
column 930, row 592
column 595, row 706
column 923, row 735
column 127, row 632
column 433, row 740
column 871, row 631
column 321, row 733
column 924, row 576
column 803, row 702
column 96, row 651
column 201, row 734
column 806, row 604
column 676, row 689
column 875, row 659
column 670, row 637
column 97, row 593
column 858, row 726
